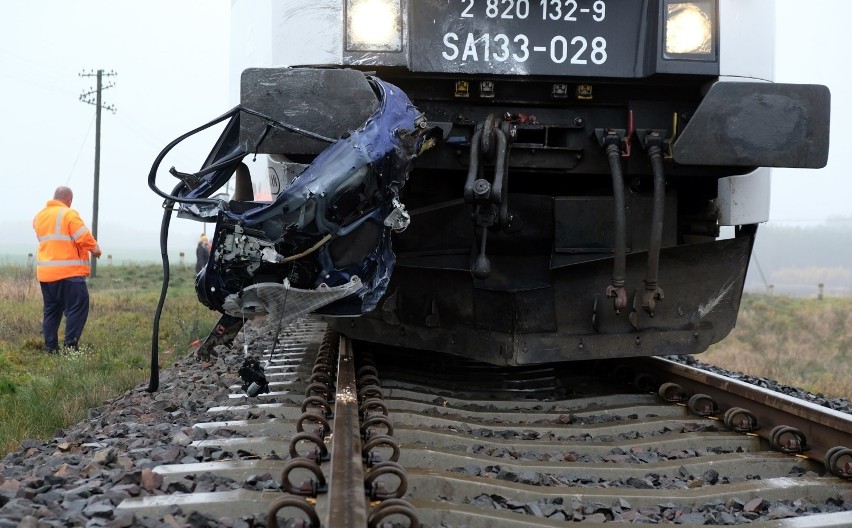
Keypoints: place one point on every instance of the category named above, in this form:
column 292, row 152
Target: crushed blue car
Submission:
column 323, row 244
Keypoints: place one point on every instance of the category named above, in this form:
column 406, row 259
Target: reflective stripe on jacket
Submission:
column 64, row 243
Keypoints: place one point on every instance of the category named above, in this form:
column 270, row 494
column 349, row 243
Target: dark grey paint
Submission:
column 760, row 125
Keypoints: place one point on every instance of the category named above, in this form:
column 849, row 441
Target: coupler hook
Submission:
column 488, row 142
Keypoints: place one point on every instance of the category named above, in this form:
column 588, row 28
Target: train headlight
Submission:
column 689, row 28
column 373, row 25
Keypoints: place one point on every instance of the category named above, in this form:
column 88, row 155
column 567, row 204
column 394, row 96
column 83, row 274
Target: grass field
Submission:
column 806, row 343
column 40, row 393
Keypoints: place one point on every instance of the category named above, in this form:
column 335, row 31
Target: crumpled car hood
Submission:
column 324, row 243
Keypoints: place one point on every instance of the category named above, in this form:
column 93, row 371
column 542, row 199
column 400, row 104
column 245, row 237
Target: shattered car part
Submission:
column 398, row 219
column 254, row 378
column 283, row 302
column 329, row 230
column 324, row 242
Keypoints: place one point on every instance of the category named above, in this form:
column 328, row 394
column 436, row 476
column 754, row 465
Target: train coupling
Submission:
column 490, row 143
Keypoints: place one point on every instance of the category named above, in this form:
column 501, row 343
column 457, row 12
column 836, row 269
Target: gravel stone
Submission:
column 843, row 405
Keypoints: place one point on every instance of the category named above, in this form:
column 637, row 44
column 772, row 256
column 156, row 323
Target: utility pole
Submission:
column 86, row 97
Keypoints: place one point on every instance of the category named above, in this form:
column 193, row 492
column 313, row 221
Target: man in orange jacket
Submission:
column 64, row 244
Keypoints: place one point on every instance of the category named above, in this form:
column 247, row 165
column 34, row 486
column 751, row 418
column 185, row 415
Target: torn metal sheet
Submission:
column 283, row 302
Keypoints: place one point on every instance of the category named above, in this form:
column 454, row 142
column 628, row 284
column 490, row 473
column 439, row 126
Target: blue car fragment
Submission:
column 324, row 242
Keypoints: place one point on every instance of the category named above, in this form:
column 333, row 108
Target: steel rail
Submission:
column 545, row 437
column 823, row 428
column 347, row 501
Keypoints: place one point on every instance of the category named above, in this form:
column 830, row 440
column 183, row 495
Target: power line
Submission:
column 29, row 82
column 27, row 70
column 156, row 144
column 83, row 144
column 760, row 270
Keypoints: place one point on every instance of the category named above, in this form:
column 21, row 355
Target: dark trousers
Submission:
column 70, row 297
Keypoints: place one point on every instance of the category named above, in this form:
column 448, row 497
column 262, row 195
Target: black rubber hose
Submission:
column 152, row 174
column 619, row 271
column 154, row 381
column 234, row 112
column 655, row 153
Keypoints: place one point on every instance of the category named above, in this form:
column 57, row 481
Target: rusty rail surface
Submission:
column 816, row 429
column 347, row 501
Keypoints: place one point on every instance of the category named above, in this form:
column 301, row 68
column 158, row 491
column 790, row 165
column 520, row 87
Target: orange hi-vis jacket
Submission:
column 64, row 243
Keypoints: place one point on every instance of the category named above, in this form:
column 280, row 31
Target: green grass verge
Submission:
column 40, row 393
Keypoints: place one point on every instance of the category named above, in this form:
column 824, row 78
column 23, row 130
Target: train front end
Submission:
column 536, row 180
column 591, row 152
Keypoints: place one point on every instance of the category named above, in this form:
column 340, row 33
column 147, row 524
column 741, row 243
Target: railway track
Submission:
column 363, row 437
